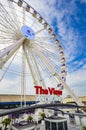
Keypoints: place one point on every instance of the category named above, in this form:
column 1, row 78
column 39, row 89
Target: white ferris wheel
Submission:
column 30, row 52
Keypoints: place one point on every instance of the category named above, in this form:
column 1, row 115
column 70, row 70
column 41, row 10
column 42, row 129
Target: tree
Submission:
column 84, row 128
column 0, row 128
column 30, row 118
column 43, row 115
column 6, row 122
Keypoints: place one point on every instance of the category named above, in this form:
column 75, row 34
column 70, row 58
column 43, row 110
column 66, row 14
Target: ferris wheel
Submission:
column 30, row 52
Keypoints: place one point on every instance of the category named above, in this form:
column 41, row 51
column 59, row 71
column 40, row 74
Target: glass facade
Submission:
column 65, row 125
column 53, row 126
column 60, row 126
column 49, row 125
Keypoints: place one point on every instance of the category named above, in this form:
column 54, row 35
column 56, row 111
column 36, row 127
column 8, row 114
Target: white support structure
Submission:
column 23, row 76
column 23, row 79
column 29, row 64
column 40, row 79
column 45, row 60
column 6, row 53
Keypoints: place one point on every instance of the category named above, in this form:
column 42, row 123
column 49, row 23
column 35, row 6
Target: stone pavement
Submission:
column 74, row 127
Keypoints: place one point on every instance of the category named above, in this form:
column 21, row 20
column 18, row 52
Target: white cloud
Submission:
column 9, row 86
column 77, row 81
column 83, row 1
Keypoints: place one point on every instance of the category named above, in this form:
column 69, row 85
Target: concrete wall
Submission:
column 69, row 99
column 14, row 98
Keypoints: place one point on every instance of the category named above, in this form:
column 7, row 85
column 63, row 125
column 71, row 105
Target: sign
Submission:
column 48, row 98
column 47, row 95
column 28, row 32
column 49, row 91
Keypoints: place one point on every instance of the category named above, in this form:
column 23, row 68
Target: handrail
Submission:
column 19, row 110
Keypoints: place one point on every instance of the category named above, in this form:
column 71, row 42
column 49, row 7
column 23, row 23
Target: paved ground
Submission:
column 74, row 127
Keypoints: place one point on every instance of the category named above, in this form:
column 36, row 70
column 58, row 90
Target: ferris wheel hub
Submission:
column 28, row 32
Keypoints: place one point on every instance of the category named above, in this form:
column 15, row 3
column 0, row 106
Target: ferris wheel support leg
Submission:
column 6, row 53
column 57, row 77
column 40, row 79
column 29, row 64
column 23, row 79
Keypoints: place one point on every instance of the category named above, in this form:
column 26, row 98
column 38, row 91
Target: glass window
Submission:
column 47, row 125
column 60, row 126
column 53, row 126
column 65, row 125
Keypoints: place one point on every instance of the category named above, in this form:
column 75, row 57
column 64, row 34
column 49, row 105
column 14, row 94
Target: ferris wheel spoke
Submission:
column 49, row 55
column 14, row 71
column 42, row 43
column 6, row 33
column 33, row 22
column 42, row 38
column 6, row 39
column 6, row 17
column 5, row 26
column 6, row 53
column 11, row 4
column 39, row 31
column 49, row 66
column 44, row 59
column 29, row 65
column 7, row 68
column 6, row 42
column 37, row 69
column 48, row 75
column 52, row 55
column 23, row 78
column 47, row 70
column 24, row 18
column 45, row 45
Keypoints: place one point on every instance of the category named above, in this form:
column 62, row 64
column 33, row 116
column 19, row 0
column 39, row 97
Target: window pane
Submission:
column 65, row 125
column 60, row 126
column 47, row 125
column 53, row 126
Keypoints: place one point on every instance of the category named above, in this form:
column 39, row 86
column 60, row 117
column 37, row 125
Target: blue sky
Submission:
column 75, row 20
column 68, row 18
